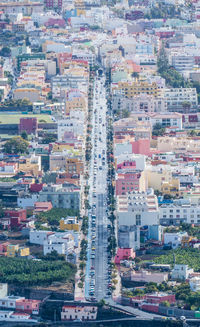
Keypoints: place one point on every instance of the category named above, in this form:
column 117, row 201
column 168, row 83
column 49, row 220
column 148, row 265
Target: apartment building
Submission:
column 67, row 161
column 139, row 103
column 183, row 62
column 138, row 209
column 178, row 145
column 177, row 213
column 165, row 119
column 161, row 179
column 132, row 89
column 75, row 126
column 61, row 196
column 181, row 99
column 73, row 78
column 130, row 181
column 73, row 312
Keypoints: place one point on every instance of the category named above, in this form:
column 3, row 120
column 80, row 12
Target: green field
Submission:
column 14, row 118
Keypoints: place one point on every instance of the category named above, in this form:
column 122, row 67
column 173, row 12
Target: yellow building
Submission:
column 171, row 188
column 60, row 147
column 131, row 89
column 69, row 223
column 23, row 252
column 12, row 250
column 163, row 181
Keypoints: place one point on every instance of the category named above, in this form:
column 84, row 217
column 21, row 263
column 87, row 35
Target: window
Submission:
column 138, row 220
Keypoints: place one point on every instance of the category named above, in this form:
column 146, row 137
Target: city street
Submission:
column 96, row 268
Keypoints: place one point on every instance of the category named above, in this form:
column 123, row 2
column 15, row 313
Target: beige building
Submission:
column 32, row 94
column 31, row 165
column 179, row 145
column 163, row 181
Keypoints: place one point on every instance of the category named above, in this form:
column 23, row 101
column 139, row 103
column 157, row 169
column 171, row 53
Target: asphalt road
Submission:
column 96, row 268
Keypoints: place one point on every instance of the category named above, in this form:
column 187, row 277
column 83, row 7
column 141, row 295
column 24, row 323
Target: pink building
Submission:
column 28, row 305
column 141, row 146
column 42, row 206
column 124, row 254
column 127, row 165
column 127, row 182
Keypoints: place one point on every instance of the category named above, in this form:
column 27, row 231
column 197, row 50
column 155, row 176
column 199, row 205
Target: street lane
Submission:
column 96, row 268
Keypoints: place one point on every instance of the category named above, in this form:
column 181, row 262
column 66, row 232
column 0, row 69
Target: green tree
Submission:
column 16, row 145
column 24, row 135
column 49, row 138
column 5, row 52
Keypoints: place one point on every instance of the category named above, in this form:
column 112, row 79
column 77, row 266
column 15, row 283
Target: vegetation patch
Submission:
column 23, row 272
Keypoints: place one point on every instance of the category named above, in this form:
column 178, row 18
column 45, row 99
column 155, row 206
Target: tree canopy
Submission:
column 16, row 145
column 25, row 272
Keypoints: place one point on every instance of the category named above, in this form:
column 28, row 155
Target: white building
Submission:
column 183, row 62
column 75, row 126
column 27, row 202
column 175, row 97
column 139, row 103
column 73, row 312
column 138, row 209
column 164, row 119
column 182, row 211
column 181, row 272
column 39, row 236
column 9, row 302
column 195, row 284
column 61, row 83
column 51, row 245
column 174, row 239
column 63, row 243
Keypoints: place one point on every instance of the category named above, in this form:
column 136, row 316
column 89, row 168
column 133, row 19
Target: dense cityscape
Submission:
column 100, row 163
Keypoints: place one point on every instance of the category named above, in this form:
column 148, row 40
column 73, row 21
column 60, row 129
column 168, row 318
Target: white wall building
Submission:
column 195, row 284
column 78, row 312
column 75, row 126
column 181, row 272
column 39, row 236
column 174, row 214
column 138, row 209
column 175, row 97
column 174, row 239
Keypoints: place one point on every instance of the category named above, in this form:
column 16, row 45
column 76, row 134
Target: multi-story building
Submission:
column 183, row 62
column 18, row 7
column 132, row 89
column 139, row 103
column 178, row 145
column 130, row 181
column 61, row 196
column 174, row 239
column 73, row 78
column 53, row 4
column 165, row 119
column 74, row 126
column 161, row 179
column 64, row 162
column 179, row 212
column 181, row 99
column 74, row 312
column 138, row 209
